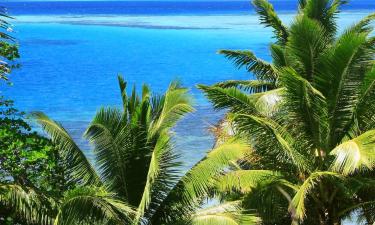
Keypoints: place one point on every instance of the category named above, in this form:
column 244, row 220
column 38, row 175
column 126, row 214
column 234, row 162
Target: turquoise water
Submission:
column 70, row 63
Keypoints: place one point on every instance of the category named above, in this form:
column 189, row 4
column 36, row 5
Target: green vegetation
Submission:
column 309, row 119
column 297, row 145
column 136, row 175
column 8, row 46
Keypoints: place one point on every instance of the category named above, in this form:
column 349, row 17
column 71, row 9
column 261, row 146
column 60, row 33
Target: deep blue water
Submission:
column 157, row 8
column 71, row 53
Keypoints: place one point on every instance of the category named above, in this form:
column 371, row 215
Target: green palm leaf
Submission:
column 307, row 40
column 355, row 155
column 261, row 69
column 306, row 106
column 26, row 204
column 245, row 181
column 229, row 98
column 298, row 202
column 111, row 140
column 347, row 65
column 248, row 85
column 364, row 25
column 177, row 102
column 196, row 184
column 269, row 18
column 324, row 11
column 276, row 139
column 88, row 204
column 76, row 162
column 229, row 213
column 162, row 175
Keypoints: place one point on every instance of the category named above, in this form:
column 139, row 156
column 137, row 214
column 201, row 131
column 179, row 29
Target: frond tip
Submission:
column 356, row 154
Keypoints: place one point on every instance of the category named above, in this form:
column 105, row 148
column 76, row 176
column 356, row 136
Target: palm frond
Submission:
column 307, row 40
column 243, row 58
column 279, row 56
column 74, row 159
column 366, row 104
column 269, row 18
column 275, row 139
column 252, row 86
column 297, row 205
column 124, row 97
column 364, row 25
column 93, row 205
column 244, row 181
column 162, row 176
column 355, row 155
column 307, row 107
column 325, row 12
column 177, row 102
column 348, row 63
column 195, row 185
column 111, row 140
column 268, row 102
column 27, row 205
column 229, row 213
column 197, row 180
column 229, row 98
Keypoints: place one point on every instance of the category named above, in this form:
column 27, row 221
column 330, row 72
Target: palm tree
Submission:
column 313, row 135
column 135, row 178
column 266, row 73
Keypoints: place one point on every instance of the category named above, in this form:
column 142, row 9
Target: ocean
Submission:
column 72, row 52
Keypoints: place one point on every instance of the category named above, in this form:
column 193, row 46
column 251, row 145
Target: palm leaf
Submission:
column 229, row 213
column 364, row 25
column 269, row 18
column 27, row 205
column 229, row 98
column 195, row 185
column 261, row 69
column 297, row 205
column 245, row 181
column 162, row 175
column 267, row 103
column 75, row 160
column 307, row 107
column 276, row 139
column 93, row 205
column 355, row 154
column 177, row 102
column 307, row 40
column 248, row 85
column 111, row 139
column 347, row 64
column 325, row 12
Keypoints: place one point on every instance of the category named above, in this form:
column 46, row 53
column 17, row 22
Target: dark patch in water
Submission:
column 144, row 26
column 51, row 42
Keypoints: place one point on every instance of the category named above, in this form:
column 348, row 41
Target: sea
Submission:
column 72, row 53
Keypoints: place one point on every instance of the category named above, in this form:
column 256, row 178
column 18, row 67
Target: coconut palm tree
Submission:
column 313, row 135
column 266, row 73
column 134, row 177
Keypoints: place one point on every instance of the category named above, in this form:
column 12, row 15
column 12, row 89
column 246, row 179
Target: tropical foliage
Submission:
column 309, row 118
column 134, row 177
column 26, row 159
column 8, row 46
